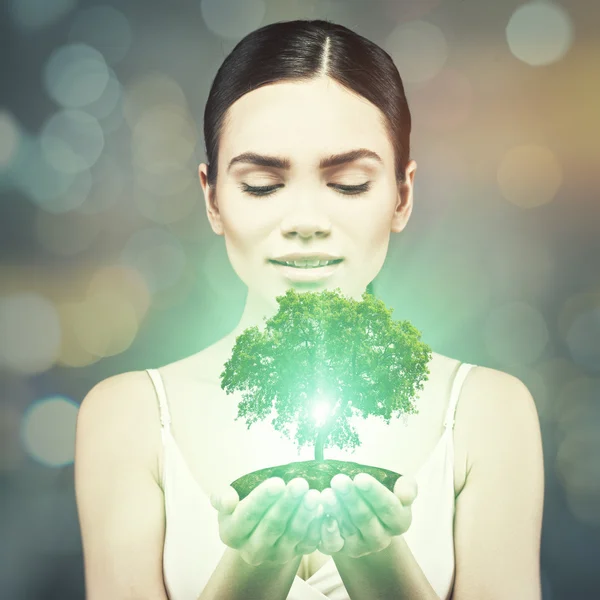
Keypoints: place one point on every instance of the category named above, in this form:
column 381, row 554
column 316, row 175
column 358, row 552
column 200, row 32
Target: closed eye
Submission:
column 347, row 190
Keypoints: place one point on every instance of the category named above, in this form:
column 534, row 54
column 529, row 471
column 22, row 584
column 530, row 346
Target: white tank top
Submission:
column 193, row 547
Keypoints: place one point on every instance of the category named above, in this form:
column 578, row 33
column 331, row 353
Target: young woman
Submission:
column 307, row 138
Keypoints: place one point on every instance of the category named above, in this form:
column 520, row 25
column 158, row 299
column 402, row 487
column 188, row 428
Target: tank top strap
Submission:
column 161, row 394
column 459, row 379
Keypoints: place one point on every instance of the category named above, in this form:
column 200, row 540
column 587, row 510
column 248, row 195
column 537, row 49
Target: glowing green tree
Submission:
column 321, row 359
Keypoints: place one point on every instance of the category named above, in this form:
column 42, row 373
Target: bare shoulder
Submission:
column 496, row 407
column 125, row 408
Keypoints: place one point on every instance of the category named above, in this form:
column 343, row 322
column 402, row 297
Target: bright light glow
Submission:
column 320, row 413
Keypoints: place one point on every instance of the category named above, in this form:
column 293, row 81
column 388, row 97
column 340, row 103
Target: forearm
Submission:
column 234, row 579
column 391, row 573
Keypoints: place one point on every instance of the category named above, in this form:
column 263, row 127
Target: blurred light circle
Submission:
column 583, row 339
column 148, row 91
column 73, row 197
column 76, row 75
column 233, row 19
column 108, row 101
column 30, row 333
column 34, row 14
column 123, row 281
column 48, row 185
column 48, row 431
column 105, row 28
column 72, row 141
column 163, row 138
column 165, row 209
column 539, row 33
column 575, row 306
column 444, row 102
column 515, row 334
column 66, row 234
column 157, row 255
column 576, row 400
column 419, row 50
column 73, row 316
column 579, row 326
column 107, row 324
column 108, row 184
column 529, row 176
column 10, row 135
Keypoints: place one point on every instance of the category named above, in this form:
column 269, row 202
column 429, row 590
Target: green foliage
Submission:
column 325, row 345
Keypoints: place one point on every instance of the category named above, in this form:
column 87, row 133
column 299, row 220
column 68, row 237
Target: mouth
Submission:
column 307, row 274
column 304, row 264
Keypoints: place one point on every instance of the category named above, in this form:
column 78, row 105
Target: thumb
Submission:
column 406, row 489
column 225, row 500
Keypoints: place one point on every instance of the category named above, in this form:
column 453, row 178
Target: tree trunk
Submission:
column 321, row 438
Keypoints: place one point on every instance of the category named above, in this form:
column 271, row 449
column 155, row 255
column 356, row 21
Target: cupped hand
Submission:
column 273, row 524
column 364, row 514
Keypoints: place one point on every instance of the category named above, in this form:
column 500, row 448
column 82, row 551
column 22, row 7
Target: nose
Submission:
column 307, row 224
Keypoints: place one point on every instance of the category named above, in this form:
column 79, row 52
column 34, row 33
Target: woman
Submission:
column 307, row 138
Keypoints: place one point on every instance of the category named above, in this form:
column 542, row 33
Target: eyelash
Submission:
column 267, row 190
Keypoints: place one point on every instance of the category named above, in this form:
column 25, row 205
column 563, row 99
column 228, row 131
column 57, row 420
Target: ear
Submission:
column 212, row 209
column 404, row 202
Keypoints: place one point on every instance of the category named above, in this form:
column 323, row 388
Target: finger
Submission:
column 307, row 510
column 331, row 539
column 225, row 501
column 313, row 535
column 358, row 509
column 406, row 489
column 386, row 506
column 249, row 512
column 275, row 522
column 333, row 507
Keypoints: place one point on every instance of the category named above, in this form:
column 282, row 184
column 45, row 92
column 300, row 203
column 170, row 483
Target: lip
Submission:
column 306, row 256
column 312, row 274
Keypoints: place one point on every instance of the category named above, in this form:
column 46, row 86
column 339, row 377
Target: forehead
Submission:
column 303, row 118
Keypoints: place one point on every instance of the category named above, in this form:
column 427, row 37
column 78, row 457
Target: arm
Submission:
column 498, row 518
column 235, row 579
column 497, row 526
column 390, row 573
column 120, row 504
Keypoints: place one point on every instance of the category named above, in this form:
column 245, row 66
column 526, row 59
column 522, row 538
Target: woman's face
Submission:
column 275, row 138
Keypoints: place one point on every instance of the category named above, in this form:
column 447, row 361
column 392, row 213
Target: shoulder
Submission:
column 497, row 410
column 121, row 412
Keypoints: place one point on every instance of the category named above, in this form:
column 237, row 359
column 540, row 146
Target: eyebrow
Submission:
column 278, row 162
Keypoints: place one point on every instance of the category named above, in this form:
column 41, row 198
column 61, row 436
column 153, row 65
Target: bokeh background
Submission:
column 108, row 263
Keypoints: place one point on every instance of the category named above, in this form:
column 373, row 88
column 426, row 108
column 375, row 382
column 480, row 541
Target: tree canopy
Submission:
column 323, row 358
